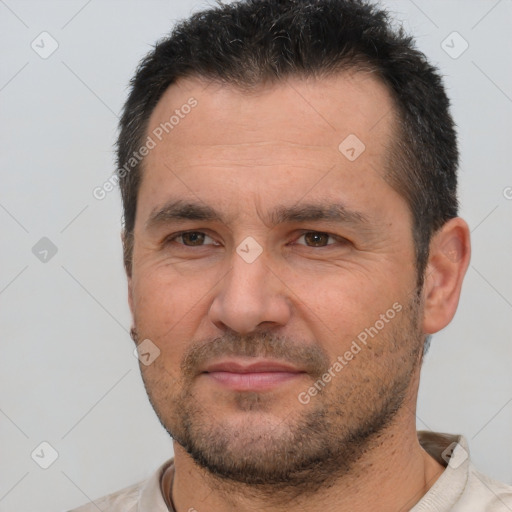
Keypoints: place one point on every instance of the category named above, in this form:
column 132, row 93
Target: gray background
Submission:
column 68, row 374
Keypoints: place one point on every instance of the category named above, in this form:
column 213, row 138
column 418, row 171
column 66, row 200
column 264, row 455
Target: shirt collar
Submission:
column 453, row 453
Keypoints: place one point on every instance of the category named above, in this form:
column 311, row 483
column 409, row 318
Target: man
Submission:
column 291, row 241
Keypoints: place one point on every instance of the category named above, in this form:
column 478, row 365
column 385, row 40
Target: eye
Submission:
column 190, row 238
column 318, row 239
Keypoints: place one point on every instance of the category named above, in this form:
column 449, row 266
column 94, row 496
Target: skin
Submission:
column 303, row 300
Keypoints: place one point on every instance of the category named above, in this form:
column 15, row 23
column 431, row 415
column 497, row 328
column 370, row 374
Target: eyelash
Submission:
column 173, row 237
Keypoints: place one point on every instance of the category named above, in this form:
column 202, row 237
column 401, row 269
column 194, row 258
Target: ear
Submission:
column 450, row 250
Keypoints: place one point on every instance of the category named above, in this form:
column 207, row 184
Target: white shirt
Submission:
column 460, row 488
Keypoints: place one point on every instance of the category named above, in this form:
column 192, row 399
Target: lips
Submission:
column 240, row 366
column 243, row 375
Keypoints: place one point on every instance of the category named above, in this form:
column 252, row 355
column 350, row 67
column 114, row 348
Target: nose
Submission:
column 250, row 296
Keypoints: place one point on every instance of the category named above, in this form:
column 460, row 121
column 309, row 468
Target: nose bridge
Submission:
column 249, row 294
column 247, row 278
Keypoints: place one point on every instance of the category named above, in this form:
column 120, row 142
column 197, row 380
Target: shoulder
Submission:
column 124, row 500
column 483, row 493
column 145, row 495
column 461, row 487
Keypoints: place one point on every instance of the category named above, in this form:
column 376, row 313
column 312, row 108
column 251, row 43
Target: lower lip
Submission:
column 256, row 381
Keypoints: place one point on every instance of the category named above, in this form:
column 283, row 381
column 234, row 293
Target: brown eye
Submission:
column 192, row 238
column 316, row 239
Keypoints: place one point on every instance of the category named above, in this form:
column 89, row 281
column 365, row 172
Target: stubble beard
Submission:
column 313, row 445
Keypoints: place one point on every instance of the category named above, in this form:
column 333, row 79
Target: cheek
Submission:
column 352, row 309
column 163, row 303
column 344, row 297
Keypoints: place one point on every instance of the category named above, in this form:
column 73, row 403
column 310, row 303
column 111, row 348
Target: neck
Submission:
column 392, row 476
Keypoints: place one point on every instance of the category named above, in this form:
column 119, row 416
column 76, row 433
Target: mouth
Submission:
column 249, row 375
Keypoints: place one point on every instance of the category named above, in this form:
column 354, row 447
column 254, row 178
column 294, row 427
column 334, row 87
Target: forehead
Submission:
column 283, row 133
column 317, row 112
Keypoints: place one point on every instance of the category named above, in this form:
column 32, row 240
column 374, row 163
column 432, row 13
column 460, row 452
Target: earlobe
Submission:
column 448, row 261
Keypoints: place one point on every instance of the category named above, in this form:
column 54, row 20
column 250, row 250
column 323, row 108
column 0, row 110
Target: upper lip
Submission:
column 241, row 366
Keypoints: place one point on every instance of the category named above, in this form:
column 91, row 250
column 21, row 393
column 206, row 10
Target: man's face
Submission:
column 249, row 310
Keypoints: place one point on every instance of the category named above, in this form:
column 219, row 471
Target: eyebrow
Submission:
column 181, row 210
column 310, row 212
